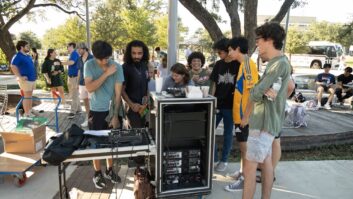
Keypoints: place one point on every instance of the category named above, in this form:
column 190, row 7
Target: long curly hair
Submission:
column 136, row 43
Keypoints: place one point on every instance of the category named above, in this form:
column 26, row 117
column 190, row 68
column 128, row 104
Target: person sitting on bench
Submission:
column 344, row 92
column 325, row 82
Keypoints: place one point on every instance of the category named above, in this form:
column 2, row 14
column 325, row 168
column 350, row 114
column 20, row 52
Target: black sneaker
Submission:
column 71, row 115
column 98, row 180
column 110, row 175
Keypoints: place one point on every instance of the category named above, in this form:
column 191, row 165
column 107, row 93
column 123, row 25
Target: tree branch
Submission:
column 19, row 15
column 60, row 8
column 204, row 17
column 283, row 11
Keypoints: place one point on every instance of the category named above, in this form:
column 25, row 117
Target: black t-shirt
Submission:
column 344, row 79
column 224, row 75
column 48, row 67
column 136, row 81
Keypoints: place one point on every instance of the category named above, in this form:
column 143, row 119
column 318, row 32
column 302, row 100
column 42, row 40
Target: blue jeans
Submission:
column 227, row 116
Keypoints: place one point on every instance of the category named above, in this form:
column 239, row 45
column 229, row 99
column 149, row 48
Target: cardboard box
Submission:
column 25, row 139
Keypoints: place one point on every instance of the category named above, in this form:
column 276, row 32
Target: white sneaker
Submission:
column 221, row 166
column 319, row 105
column 85, row 123
column 29, row 115
column 327, row 106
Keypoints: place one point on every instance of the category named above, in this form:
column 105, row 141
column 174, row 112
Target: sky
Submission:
column 340, row 11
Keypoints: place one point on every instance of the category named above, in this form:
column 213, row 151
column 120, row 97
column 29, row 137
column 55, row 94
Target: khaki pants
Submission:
column 73, row 94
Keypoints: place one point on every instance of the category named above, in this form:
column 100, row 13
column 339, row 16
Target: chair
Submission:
column 3, row 102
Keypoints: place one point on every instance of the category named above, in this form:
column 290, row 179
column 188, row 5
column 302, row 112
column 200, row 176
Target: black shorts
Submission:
column 96, row 120
column 243, row 135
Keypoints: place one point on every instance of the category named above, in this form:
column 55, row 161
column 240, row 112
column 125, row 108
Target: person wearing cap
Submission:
column 72, row 80
column 325, row 83
column 83, row 94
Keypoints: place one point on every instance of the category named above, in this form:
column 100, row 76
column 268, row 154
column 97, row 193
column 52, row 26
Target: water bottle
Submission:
column 276, row 87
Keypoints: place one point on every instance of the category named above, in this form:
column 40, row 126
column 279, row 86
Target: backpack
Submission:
column 63, row 146
column 296, row 117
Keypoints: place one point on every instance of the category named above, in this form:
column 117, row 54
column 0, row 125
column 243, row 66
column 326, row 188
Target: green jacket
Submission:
column 268, row 115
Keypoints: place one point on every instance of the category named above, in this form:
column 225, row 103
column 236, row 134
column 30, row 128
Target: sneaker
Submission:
column 98, row 180
column 221, row 166
column 85, row 123
column 71, row 115
column 235, row 186
column 236, row 175
column 29, row 115
column 327, row 107
column 110, row 175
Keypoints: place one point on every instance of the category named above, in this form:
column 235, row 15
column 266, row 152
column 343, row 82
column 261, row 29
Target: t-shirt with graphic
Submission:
column 224, row 75
column 345, row 80
column 246, row 79
column 326, row 78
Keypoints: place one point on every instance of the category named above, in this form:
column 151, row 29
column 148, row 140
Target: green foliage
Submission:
column 295, row 41
column 73, row 30
column 31, row 38
column 3, row 59
column 324, row 31
column 137, row 24
column 119, row 22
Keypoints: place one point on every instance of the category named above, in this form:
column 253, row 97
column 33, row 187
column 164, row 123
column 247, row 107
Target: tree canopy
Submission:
column 32, row 38
column 204, row 13
column 11, row 11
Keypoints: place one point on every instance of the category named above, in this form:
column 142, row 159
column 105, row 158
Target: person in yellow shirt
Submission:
column 247, row 77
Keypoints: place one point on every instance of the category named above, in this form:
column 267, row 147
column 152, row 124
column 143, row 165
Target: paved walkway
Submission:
column 295, row 180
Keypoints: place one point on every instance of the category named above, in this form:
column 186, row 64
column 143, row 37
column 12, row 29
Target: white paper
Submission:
column 97, row 132
column 159, row 84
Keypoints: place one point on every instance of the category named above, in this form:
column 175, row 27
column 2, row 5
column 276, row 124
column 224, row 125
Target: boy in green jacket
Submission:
column 267, row 102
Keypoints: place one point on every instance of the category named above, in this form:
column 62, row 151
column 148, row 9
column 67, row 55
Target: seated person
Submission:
column 325, row 82
column 344, row 92
column 179, row 78
column 199, row 75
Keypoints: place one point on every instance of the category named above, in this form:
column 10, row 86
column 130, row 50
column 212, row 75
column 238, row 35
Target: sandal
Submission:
column 258, row 179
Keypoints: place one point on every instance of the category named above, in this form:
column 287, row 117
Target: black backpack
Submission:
column 63, row 146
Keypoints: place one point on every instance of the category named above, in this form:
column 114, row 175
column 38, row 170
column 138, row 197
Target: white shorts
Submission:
column 27, row 85
column 259, row 145
column 83, row 92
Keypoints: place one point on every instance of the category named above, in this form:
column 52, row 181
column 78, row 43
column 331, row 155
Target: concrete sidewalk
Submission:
column 295, row 180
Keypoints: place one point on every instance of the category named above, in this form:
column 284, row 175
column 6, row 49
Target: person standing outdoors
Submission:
column 84, row 57
column 52, row 70
column 247, row 77
column 267, row 102
column 23, row 68
column 136, row 81
column 223, row 78
column 73, row 80
column 103, row 78
column 200, row 76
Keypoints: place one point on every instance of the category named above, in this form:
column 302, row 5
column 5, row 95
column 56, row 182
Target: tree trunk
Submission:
column 232, row 9
column 204, row 17
column 7, row 45
column 250, row 23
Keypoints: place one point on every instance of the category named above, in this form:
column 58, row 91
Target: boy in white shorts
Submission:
column 84, row 95
column 267, row 102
